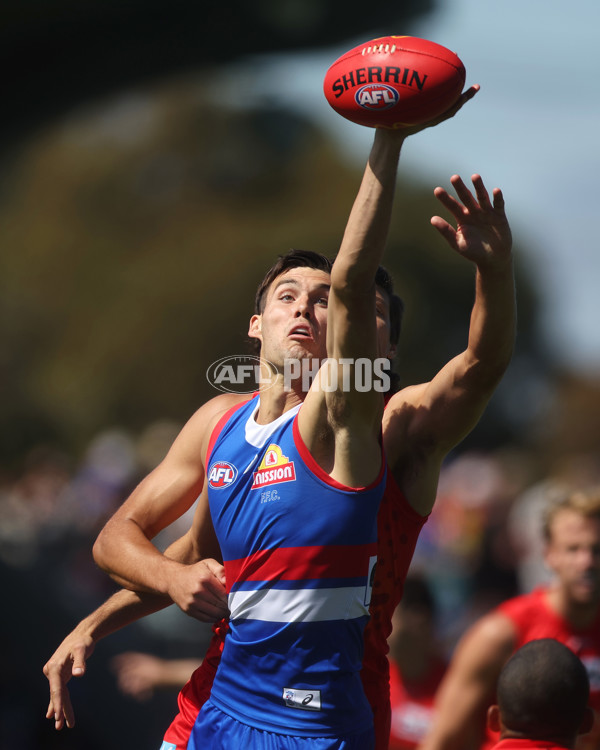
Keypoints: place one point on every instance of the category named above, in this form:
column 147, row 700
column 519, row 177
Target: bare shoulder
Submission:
column 196, row 433
column 214, row 409
column 403, row 408
column 414, row 462
column 488, row 642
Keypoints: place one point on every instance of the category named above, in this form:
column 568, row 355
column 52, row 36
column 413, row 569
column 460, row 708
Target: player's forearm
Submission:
column 124, row 552
column 120, row 610
column 368, row 224
column 493, row 320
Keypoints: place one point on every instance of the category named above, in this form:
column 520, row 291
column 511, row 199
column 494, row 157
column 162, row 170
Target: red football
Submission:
column 394, row 80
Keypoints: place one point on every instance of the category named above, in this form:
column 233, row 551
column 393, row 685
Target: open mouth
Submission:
column 302, row 332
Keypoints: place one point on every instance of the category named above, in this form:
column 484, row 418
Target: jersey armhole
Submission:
column 315, row 469
column 219, row 426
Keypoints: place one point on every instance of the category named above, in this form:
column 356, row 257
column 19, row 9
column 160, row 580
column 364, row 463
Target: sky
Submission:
column 532, row 130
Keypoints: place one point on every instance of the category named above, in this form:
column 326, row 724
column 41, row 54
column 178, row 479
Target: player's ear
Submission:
column 254, row 329
column 587, row 723
column 493, row 718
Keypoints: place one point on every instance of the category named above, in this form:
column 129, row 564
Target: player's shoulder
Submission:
column 406, row 397
column 401, row 408
column 522, row 605
column 200, row 425
column 209, row 413
column 491, row 638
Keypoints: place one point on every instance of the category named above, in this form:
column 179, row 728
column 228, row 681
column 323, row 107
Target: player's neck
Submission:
column 276, row 400
column 579, row 615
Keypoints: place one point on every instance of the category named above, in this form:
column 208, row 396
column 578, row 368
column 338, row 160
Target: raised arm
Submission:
column 354, row 314
column 428, row 420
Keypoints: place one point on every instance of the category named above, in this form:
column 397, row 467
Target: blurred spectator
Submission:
column 140, row 675
column 464, row 548
column 416, row 664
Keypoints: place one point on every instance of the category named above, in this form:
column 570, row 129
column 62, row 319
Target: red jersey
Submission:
column 398, row 528
column 533, row 619
column 412, row 705
column 527, row 745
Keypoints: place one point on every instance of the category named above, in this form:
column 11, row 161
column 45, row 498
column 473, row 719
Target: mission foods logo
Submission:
column 273, row 469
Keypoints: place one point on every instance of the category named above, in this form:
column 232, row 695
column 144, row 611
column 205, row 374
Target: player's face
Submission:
column 573, row 553
column 293, row 324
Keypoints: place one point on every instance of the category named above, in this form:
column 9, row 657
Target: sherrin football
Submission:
column 393, row 81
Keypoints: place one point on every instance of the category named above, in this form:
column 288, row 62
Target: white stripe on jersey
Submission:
column 299, row 605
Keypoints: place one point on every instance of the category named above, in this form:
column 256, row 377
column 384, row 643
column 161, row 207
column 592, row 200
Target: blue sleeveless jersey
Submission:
column 299, row 552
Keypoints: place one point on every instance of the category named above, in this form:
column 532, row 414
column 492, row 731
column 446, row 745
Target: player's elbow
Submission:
column 101, row 551
column 484, row 370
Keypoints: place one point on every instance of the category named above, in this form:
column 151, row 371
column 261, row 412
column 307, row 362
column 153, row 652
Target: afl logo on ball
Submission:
column 221, row 474
column 376, row 96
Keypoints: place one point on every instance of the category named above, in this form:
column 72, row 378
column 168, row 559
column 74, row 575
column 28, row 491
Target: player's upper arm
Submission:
column 469, row 684
column 441, row 413
column 174, row 485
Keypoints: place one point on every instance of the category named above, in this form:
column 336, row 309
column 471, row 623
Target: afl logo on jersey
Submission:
column 221, row 474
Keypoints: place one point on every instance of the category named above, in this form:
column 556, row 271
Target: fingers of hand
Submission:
column 217, row 570
column 455, row 208
column 481, row 192
column 498, row 199
column 78, row 661
column 68, row 710
column 463, row 99
column 446, row 230
column 463, row 192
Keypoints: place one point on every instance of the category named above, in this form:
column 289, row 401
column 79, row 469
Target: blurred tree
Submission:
column 58, row 54
column 135, row 236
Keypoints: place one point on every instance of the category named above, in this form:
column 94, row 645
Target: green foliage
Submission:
column 134, row 239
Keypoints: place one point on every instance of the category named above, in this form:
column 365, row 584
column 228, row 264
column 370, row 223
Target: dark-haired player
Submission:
column 420, row 425
column 542, row 695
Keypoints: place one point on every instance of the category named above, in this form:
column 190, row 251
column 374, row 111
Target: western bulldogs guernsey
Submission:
column 299, row 552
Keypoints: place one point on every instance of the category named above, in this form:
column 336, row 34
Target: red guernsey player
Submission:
column 567, row 611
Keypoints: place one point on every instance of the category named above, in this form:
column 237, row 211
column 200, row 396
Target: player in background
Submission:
column 542, row 695
column 421, row 424
column 417, row 664
column 568, row 610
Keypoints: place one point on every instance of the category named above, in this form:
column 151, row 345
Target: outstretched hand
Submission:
column 482, row 232
column 405, row 130
column 67, row 661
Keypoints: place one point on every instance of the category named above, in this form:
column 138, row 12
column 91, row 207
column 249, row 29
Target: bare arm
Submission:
column 69, row 659
column 140, row 675
column 121, row 609
column 340, row 425
column 468, row 687
column 353, row 415
column 430, row 419
column 124, row 548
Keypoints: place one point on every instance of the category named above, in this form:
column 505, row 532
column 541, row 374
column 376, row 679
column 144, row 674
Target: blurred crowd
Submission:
column 481, row 545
